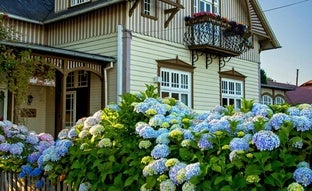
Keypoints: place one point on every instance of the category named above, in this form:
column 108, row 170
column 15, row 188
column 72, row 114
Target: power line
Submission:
column 288, row 5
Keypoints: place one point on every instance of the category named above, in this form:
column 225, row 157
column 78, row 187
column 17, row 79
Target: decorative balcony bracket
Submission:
column 209, row 58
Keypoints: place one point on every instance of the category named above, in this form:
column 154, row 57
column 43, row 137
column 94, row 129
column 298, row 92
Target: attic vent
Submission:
column 78, row 2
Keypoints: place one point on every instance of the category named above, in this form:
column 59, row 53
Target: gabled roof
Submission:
column 261, row 27
column 36, row 10
column 278, row 86
column 302, row 94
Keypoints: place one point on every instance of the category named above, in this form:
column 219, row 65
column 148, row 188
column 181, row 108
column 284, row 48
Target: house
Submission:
column 275, row 92
column 202, row 52
column 301, row 94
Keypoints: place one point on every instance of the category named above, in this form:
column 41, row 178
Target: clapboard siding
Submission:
column 206, row 81
column 88, row 25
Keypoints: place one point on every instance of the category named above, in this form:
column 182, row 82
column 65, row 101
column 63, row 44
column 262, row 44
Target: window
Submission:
column 210, row 34
column 149, row 8
column 232, row 92
column 77, row 79
column 206, row 6
column 78, row 2
column 279, row 100
column 266, row 99
column 3, row 104
column 176, row 84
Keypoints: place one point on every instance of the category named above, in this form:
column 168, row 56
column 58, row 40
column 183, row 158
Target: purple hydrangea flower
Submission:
column 32, row 138
column 16, row 148
column 266, row 140
column 33, row 157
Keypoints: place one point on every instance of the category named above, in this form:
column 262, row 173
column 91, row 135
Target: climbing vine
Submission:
column 18, row 66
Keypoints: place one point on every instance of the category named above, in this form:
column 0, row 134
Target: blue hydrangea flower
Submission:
column 167, row 185
column 261, row 109
column 239, row 144
column 84, row 186
column 160, row 151
column 306, row 112
column 36, row 172
column 33, row 157
column 247, row 127
column 163, row 139
column 5, row 147
column 303, row 164
column 157, row 120
column 204, row 142
column 192, row 170
column 155, row 167
column 187, row 134
column 277, row 121
column 266, row 140
column 188, row 186
column 303, row 176
column 293, row 111
column 16, row 148
column 302, row 123
column 32, row 138
column 199, row 127
column 39, row 183
column 219, row 125
column 174, row 172
column 2, row 138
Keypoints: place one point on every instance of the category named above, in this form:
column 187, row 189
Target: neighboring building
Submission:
column 104, row 48
column 302, row 94
column 275, row 92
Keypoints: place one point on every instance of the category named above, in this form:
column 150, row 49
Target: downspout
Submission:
column 111, row 65
column 119, row 62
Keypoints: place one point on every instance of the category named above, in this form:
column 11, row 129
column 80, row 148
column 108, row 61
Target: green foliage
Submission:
column 17, row 67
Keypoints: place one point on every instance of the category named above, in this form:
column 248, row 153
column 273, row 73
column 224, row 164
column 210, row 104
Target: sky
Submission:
column 292, row 26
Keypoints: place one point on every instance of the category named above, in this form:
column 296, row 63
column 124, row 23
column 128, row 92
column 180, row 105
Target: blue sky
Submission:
column 292, row 26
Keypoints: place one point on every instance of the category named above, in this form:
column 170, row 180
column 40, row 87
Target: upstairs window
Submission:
column 149, row 8
column 211, row 6
column 78, row 2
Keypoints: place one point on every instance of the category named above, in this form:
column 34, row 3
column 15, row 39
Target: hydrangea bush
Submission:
column 147, row 143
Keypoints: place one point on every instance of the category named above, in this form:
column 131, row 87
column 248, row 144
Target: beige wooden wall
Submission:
column 206, row 81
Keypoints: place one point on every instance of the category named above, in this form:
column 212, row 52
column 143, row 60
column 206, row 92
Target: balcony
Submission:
column 210, row 33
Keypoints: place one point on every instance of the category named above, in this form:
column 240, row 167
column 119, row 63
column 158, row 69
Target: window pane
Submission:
column 165, row 78
column 2, row 96
column 82, row 79
column 238, row 88
column 224, row 102
column 224, row 87
column 164, row 94
column 184, row 99
column 184, row 81
column 175, row 96
column 231, row 87
column 238, row 103
column 231, row 101
column 70, row 80
column 175, row 80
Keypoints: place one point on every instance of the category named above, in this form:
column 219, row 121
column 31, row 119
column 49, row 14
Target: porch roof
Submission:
column 59, row 51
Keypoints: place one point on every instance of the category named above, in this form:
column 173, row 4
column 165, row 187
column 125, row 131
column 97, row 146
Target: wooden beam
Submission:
column 176, row 4
column 173, row 12
column 134, row 6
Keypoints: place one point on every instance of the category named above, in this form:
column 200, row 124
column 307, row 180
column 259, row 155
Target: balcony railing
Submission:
column 213, row 34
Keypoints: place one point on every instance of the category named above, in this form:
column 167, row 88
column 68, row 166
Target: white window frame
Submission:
column 176, row 82
column 232, row 91
column 266, row 99
column 149, row 8
column 4, row 102
column 279, row 100
column 198, row 8
column 71, row 100
column 78, row 2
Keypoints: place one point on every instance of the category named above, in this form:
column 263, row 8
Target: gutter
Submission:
column 111, row 65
